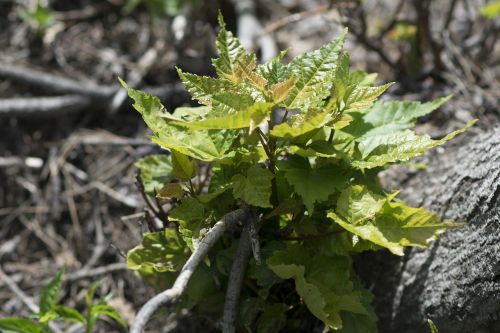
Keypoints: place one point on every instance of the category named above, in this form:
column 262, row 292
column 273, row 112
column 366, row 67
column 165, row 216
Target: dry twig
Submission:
column 171, row 295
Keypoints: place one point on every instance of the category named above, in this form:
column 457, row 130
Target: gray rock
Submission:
column 456, row 281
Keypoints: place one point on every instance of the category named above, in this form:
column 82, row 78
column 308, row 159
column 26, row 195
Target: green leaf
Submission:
column 313, row 69
column 251, row 117
column 162, row 251
column 19, row 325
column 432, row 326
column 190, row 209
column 183, row 167
column 156, row 171
column 363, row 97
column 390, row 116
column 51, row 293
column 378, row 150
column 203, row 145
column 356, row 203
column 207, row 145
column 392, row 224
column 275, row 71
column 312, row 184
column 68, row 314
column 100, row 309
column 323, row 283
column 491, row 10
column 229, row 49
column 254, row 188
column 301, row 123
column 171, row 191
column 203, row 88
column 226, row 103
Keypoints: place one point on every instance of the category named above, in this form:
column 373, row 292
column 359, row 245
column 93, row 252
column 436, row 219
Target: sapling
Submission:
column 290, row 154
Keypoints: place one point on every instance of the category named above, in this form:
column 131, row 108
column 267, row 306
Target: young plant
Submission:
column 50, row 311
column 292, row 151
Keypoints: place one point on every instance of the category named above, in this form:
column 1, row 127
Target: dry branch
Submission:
column 171, row 295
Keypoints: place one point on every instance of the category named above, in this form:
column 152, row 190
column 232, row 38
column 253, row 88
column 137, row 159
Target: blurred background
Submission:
column 69, row 137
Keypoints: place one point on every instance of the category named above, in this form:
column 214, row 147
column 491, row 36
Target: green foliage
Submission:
column 491, row 10
column 41, row 17
column 311, row 175
column 50, row 310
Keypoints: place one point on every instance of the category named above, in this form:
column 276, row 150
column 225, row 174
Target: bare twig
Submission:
column 54, row 82
column 171, row 295
column 27, row 106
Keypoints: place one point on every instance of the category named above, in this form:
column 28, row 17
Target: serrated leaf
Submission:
column 390, row 116
column 300, row 123
column 202, row 88
column 323, row 283
column 312, row 69
column 251, row 117
column 254, row 188
column 203, row 145
column 19, row 325
column 229, row 49
column 363, row 97
column 312, row 184
column 183, row 167
column 162, row 251
column 280, row 90
column 171, row 191
column 156, row 171
column 378, row 150
column 245, row 66
column 51, row 293
column 275, row 71
column 392, row 224
column 227, row 103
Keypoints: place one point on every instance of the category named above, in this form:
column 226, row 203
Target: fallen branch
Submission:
column 237, row 274
column 55, row 83
column 23, row 106
column 171, row 295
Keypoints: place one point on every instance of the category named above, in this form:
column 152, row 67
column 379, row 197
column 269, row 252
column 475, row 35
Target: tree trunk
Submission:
column 456, row 281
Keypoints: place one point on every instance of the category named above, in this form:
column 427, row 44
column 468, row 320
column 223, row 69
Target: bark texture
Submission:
column 456, row 281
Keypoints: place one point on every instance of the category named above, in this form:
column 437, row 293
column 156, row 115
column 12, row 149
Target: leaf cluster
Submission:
column 301, row 144
column 50, row 310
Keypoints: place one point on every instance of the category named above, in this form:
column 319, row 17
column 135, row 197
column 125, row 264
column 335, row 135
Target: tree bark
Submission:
column 456, row 281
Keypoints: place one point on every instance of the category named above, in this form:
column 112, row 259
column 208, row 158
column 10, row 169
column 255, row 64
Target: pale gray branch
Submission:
column 171, row 295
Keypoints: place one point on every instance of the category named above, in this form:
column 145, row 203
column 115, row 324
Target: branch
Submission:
column 42, row 106
column 55, row 83
column 236, row 276
column 171, row 295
